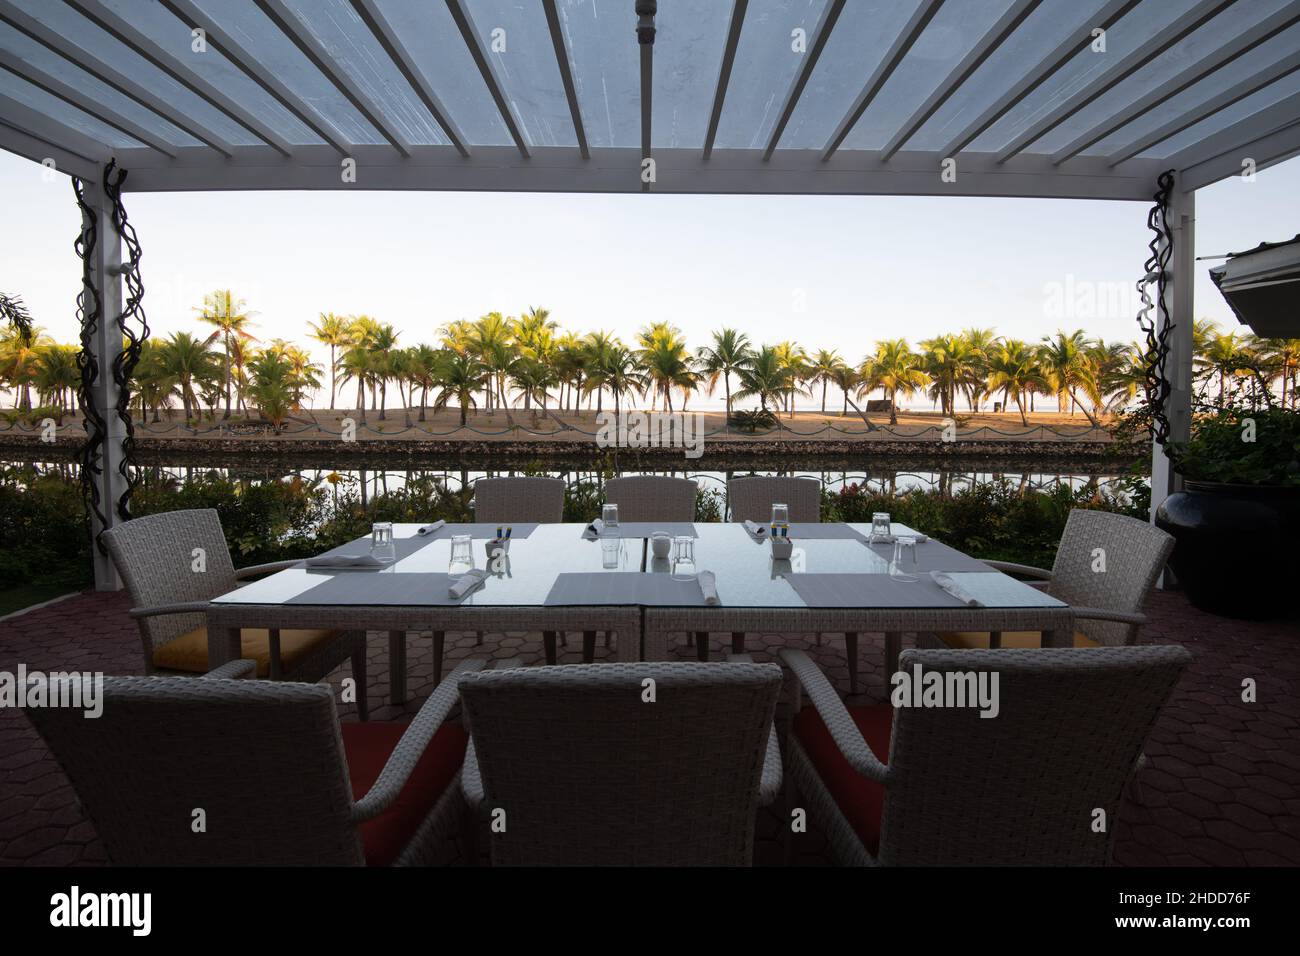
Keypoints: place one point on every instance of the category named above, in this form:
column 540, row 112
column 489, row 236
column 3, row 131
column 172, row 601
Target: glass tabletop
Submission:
column 746, row 573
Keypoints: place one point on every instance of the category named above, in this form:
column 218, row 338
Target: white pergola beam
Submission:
column 48, row 130
column 1228, row 149
column 566, row 74
column 987, row 45
column 1237, row 92
column 735, row 25
column 33, row 29
column 1266, row 151
column 493, row 82
column 820, row 35
column 1171, row 33
column 31, row 147
column 908, row 36
column 388, row 38
column 224, row 43
column 126, row 33
column 1238, row 46
column 1038, row 74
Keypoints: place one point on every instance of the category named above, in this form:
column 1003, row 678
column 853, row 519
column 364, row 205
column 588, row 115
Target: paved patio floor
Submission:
column 1222, row 785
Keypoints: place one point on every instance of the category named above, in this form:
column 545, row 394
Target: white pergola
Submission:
column 1071, row 99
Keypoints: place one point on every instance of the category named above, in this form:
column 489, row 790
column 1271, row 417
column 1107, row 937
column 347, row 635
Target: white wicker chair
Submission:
column 945, row 786
column 652, row 498
column 173, row 564
column 1105, row 567
column 277, row 778
column 574, row 766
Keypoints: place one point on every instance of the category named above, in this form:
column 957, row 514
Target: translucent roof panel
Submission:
column 765, row 66
column 691, row 38
column 517, row 40
column 1264, row 56
column 349, row 41
column 1131, row 33
column 53, row 65
column 257, row 35
column 950, row 36
column 59, row 111
column 1274, row 93
column 80, row 32
column 173, row 39
column 1196, row 48
column 1042, row 30
column 432, row 39
column 602, row 49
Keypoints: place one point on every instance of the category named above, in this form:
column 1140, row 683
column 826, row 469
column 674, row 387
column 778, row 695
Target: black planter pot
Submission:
column 1237, row 551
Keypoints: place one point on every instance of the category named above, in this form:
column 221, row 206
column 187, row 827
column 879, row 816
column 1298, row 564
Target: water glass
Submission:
column 462, row 555
column 611, row 553
column 382, row 546
column 880, row 526
column 904, row 558
column 780, row 515
column 609, row 516
column 683, row 558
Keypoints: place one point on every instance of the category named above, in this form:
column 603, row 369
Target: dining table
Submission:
column 573, row 577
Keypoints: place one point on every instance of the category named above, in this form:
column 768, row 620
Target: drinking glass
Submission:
column 683, row 558
column 780, row 515
column 611, row 553
column 904, row 558
column 609, row 516
column 880, row 526
column 462, row 555
column 382, row 546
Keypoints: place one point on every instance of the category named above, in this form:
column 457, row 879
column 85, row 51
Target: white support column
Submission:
column 106, row 345
column 1178, row 365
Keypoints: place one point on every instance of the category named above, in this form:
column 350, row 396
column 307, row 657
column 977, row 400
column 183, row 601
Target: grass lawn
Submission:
column 15, row 599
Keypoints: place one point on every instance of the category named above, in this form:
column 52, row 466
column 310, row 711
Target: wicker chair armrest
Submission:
column 769, row 785
column 1012, row 568
column 412, row 745
column 1101, row 614
column 471, row 780
column 835, row 716
column 190, row 607
column 257, row 569
column 231, row 670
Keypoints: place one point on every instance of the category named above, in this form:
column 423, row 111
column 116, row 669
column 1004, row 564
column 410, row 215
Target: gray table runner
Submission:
column 382, row 588
column 644, row 529
column 825, row 532
column 624, row 587
column 932, row 555
column 868, row 591
column 482, row 529
column 405, row 547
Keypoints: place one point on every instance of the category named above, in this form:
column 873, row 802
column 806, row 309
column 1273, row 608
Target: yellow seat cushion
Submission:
column 189, row 652
column 972, row 640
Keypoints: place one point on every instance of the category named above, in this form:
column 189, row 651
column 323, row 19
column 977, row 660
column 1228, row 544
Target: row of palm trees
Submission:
column 500, row 362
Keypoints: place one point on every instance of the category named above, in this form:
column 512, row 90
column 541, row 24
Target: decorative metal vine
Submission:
column 90, row 313
column 1157, row 328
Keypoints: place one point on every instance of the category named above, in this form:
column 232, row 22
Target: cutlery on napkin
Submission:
column 757, row 531
column 594, row 529
column 890, row 539
column 467, row 582
column 945, row 581
column 709, row 585
column 345, row 561
column 430, row 528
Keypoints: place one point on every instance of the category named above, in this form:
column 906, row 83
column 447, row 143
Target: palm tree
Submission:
column 766, row 377
column 983, row 343
column 57, row 377
column 893, row 368
column 1013, row 370
column 357, row 365
column 618, row 373
column 459, row 377
column 729, row 353
column 826, row 364
column 1068, row 371
column 20, row 352
column 846, row 377
column 953, row 365
column 423, row 366
column 1283, row 358
column 796, row 360
column 666, row 360
column 1223, row 357
column 332, row 330
column 154, row 382
column 222, row 309
column 193, row 366
column 492, row 343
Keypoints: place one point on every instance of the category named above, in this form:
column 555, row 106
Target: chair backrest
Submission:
column 1108, row 561
column 1023, row 787
column 589, row 771
column 652, row 498
column 171, row 558
column 263, row 762
column 751, row 498
column 519, row 499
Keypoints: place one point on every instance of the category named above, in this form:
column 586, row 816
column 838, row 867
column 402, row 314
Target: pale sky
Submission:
column 827, row 272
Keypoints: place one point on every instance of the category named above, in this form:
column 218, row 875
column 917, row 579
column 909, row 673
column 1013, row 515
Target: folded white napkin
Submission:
column 345, row 561
column 467, row 582
column 709, row 585
column 594, row 529
column 430, row 528
column 945, row 581
column 756, row 529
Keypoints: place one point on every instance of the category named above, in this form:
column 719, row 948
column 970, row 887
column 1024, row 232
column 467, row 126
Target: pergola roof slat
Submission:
column 126, row 33
column 910, row 33
column 1144, row 53
column 735, row 24
column 38, row 150
column 225, row 44
column 566, row 74
column 822, row 33
column 1240, row 45
column 35, row 30
column 314, row 50
column 1282, row 116
column 37, row 125
column 1036, row 75
column 488, row 72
